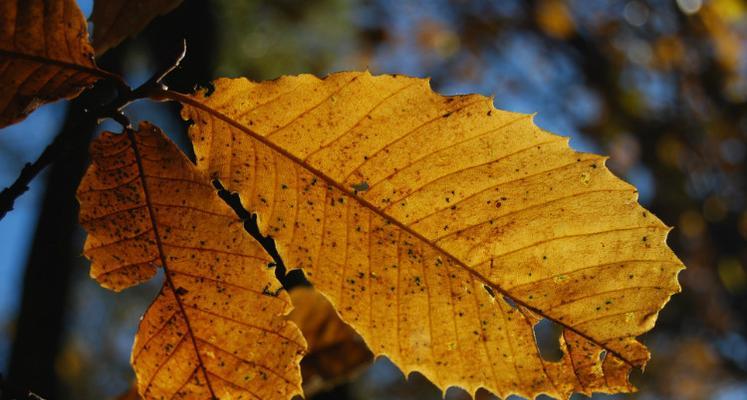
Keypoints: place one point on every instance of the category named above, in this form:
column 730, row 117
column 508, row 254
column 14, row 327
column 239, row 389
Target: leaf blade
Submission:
column 199, row 337
column 322, row 139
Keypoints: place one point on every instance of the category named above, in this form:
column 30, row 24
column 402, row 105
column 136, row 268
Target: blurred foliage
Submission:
column 660, row 85
column 263, row 39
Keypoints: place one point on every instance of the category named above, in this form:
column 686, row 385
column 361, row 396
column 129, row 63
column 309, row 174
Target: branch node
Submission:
column 119, row 117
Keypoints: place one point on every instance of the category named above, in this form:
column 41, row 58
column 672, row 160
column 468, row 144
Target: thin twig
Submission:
column 154, row 88
column 28, row 173
column 174, row 65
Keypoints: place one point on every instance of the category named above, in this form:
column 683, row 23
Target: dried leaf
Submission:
column 115, row 20
column 443, row 229
column 217, row 326
column 336, row 353
column 44, row 55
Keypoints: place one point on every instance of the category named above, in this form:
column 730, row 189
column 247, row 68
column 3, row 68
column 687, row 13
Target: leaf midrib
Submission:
column 187, row 99
column 151, row 213
column 93, row 70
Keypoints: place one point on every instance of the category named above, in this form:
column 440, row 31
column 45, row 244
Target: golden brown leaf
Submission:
column 44, row 55
column 217, row 326
column 443, row 229
column 336, row 353
column 115, row 20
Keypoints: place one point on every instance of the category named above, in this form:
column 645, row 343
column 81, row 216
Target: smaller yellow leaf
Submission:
column 217, row 328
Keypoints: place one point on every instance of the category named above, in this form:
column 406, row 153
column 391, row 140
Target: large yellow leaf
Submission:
column 217, row 328
column 443, row 229
column 115, row 20
column 44, row 55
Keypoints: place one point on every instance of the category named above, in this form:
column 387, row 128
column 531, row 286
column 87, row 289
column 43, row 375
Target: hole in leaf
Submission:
column 510, row 302
column 602, row 355
column 547, row 335
column 361, row 187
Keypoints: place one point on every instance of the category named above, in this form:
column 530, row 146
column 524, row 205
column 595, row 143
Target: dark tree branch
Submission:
column 29, row 172
column 51, row 262
column 61, row 145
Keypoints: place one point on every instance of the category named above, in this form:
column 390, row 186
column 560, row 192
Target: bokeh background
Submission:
column 660, row 85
